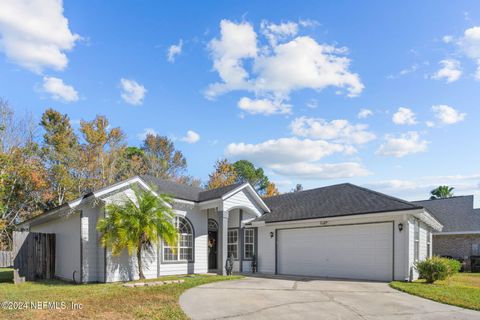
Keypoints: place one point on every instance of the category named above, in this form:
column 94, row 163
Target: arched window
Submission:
column 184, row 249
column 212, row 225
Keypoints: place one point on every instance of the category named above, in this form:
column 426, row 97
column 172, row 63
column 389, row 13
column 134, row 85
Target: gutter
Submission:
column 451, row 233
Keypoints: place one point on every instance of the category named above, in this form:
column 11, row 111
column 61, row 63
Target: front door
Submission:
column 212, row 250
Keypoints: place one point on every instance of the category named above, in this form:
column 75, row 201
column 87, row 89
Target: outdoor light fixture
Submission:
column 400, row 227
column 271, row 234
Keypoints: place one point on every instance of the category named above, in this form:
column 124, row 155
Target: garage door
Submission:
column 362, row 251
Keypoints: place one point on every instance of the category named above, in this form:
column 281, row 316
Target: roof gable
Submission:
column 332, row 201
column 217, row 193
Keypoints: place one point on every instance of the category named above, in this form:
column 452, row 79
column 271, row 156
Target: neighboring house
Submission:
column 460, row 237
column 341, row 231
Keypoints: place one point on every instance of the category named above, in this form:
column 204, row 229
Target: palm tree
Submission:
column 137, row 224
column 441, row 192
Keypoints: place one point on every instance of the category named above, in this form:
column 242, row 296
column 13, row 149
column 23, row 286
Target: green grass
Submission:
column 462, row 290
column 6, row 275
column 102, row 301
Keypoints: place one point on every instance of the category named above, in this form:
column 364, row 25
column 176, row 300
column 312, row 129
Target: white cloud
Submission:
column 279, row 68
column 420, row 187
column 132, row 92
column 174, row 50
column 298, row 158
column 302, row 63
column 447, row 38
column 447, row 115
column 35, row 34
column 263, row 106
column 470, row 45
column 340, row 131
column 191, row 137
column 405, row 144
column 146, row 131
column 450, row 71
column 275, row 32
column 470, row 42
column 430, row 124
column 237, row 41
column 306, row 170
column 286, row 150
column 364, row 113
column 59, row 90
column 404, row 72
column 404, row 116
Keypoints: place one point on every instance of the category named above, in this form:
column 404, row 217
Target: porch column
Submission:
column 222, row 242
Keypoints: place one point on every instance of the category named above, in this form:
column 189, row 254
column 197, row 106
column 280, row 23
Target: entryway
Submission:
column 212, row 245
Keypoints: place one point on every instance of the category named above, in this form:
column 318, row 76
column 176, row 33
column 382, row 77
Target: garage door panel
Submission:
column 354, row 251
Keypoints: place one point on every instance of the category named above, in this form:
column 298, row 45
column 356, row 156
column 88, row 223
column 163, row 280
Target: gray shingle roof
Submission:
column 332, row 201
column 174, row 189
column 456, row 213
column 218, row 192
column 186, row 192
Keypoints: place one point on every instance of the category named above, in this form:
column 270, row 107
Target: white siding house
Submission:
column 341, row 231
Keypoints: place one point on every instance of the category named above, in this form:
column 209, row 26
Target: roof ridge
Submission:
column 383, row 195
column 301, row 191
column 224, row 187
column 172, row 181
column 453, row 197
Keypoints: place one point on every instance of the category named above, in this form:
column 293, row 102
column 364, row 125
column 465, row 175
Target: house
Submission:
column 341, row 231
column 460, row 236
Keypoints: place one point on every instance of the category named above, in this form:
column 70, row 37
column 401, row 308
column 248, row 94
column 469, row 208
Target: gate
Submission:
column 34, row 255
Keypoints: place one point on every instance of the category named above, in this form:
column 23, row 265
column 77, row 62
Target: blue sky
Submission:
column 375, row 93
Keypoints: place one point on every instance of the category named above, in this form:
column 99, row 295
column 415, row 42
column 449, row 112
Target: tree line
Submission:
column 41, row 171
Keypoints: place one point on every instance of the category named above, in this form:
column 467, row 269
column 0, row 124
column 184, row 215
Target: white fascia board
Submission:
column 215, row 203
column 126, row 183
column 426, row 217
column 123, row 184
column 52, row 215
column 388, row 214
column 184, row 201
column 252, row 191
column 452, row 233
column 244, row 222
column 97, row 194
column 258, row 223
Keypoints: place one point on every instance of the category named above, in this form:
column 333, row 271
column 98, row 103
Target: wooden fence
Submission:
column 34, row 255
column 6, row 259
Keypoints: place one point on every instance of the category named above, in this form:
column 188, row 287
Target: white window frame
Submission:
column 231, row 244
column 181, row 247
column 249, row 243
column 416, row 240
column 429, row 244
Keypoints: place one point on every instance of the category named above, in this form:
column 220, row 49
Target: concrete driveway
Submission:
column 300, row 298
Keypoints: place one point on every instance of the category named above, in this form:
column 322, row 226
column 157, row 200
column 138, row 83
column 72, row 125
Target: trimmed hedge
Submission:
column 437, row 268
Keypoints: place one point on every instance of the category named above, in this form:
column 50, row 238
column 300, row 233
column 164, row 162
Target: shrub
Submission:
column 454, row 266
column 436, row 268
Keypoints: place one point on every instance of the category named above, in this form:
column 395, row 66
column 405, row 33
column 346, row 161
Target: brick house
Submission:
column 460, row 237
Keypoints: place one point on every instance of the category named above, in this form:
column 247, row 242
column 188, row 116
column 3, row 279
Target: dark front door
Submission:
column 212, row 250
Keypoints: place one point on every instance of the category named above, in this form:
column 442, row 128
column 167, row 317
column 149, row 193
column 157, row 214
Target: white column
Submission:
column 222, row 242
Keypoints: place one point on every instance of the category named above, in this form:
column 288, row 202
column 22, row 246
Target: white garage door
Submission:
column 363, row 251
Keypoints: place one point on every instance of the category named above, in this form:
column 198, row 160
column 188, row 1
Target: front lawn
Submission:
column 462, row 290
column 6, row 275
column 104, row 301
